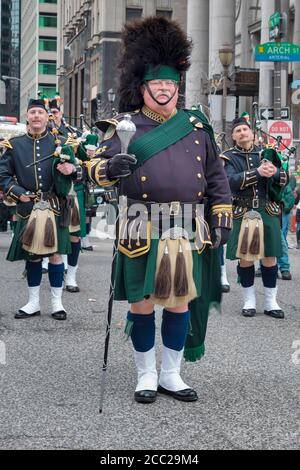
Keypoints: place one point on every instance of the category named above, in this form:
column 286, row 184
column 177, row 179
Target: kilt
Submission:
column 80, row 193
column 135, row 281
column 272, row 235
column 16, row 252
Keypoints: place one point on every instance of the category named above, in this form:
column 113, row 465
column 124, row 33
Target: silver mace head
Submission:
column 125, row 130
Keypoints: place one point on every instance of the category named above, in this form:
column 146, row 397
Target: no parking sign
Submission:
column 283, row 129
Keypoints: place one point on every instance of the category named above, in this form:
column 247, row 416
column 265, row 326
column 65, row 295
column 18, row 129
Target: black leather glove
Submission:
column 219, row 236
column 120, row 166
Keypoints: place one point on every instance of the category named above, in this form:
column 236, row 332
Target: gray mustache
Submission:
column 167, row 95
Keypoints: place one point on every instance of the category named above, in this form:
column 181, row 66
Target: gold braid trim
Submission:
column 222, row 216
column 96, row 172
column 10, row 194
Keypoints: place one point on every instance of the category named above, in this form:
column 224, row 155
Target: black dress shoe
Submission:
column 188, row 394
column 248, row 312
column 286, row 276
column 225, row 288
column 274, row 313
column 72, row 289
column 88, row 248
column 61, row 315
column 145, row 396
column 21, row 315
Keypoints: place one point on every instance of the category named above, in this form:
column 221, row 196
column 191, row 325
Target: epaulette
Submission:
column 6, row 144
column 200, row 121
column 108, row 126
column 101, row 149
column 224, row 157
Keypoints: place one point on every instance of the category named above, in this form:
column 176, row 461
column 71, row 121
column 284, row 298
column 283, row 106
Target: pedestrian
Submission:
column 40, row 192
column 256, row 184
column 172, row 163
column 287, row 203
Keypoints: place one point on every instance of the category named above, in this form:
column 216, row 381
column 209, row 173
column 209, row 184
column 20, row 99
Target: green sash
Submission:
column 165, row 135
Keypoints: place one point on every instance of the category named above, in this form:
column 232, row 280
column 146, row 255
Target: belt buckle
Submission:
column 174, row 208
column 255, row 203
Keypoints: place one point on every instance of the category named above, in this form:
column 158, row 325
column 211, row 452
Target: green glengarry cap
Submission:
column 91, row 142
column 161, row 72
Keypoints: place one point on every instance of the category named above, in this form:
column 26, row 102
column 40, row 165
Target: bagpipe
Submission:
column 288, row 152
column 272, row 153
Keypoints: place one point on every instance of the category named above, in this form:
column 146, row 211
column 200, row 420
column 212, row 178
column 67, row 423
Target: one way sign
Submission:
column 267, row 114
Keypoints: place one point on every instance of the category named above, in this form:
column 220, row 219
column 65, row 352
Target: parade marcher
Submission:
column 40, row 193
column 78, row 227
column 63, row 128
column 90, row 144
column 172, row 162
column 256, row 185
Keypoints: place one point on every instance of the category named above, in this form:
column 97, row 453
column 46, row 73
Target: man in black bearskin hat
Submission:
column 256, row 180
column 171, row 163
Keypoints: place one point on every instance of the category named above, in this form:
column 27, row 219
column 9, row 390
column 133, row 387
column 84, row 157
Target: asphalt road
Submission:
column 248, row 382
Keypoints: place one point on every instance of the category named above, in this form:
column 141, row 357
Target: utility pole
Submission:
column 281, row 6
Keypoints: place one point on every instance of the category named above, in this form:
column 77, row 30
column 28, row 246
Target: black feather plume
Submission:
column 152, row 41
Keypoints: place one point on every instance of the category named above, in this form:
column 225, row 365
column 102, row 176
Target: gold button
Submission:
column 199, row 159
column 197, row 142
column 199, row 176
column 143, row 179
column 145, row 196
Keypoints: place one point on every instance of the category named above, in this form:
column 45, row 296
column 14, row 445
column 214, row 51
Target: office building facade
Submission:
column 10, row 58
column 39, row 46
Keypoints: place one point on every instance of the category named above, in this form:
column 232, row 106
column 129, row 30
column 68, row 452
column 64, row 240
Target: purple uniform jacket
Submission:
column 186, row 171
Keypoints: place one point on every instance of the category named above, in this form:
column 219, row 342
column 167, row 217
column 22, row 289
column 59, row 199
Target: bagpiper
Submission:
column 40, row 190
column 256, row 179
column 78, row 226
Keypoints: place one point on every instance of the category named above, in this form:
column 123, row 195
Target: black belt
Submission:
column 175, row 208
column 250, row 203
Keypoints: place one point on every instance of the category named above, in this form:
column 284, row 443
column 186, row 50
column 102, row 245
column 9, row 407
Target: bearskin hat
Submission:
column 149, row 43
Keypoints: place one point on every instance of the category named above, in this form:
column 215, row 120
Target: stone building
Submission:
column 90, row 38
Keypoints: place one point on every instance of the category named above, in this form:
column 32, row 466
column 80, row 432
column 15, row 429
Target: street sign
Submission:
column 268, row 113
column 277, row 52
column 274, row 20
column 274, row 25
column 283, row 129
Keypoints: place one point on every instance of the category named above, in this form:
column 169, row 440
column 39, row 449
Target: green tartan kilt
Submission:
column 80, row 190
column 272, row 235
column 12, row 210
column 135, row 281
column 16, row 252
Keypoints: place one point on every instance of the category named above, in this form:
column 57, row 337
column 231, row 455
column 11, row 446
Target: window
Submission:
column 47, row 44
column 164, row 13
column 48, row 90
column 48, row 21
column 133, row 13
column 47, row 67
column 95, row 67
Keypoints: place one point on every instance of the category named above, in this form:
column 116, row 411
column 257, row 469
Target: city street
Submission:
column 50, row 372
